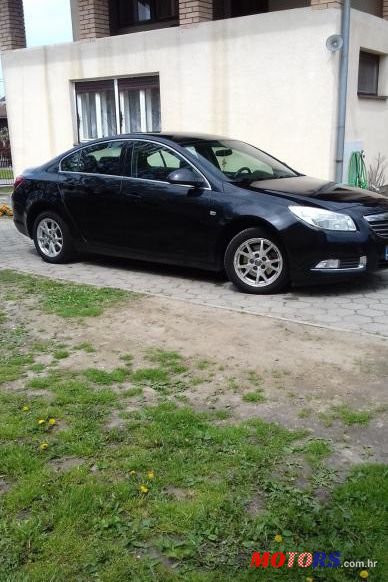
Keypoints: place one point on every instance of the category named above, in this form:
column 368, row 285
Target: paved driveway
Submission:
column 360, row 306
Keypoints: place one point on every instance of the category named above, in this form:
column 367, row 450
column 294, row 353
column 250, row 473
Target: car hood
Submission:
column 320, row 191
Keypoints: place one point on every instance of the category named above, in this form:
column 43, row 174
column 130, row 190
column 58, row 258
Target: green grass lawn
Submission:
column 170, row 493
column 64, row 299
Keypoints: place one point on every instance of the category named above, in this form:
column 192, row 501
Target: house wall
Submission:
column 367, row 119
column 267, row 79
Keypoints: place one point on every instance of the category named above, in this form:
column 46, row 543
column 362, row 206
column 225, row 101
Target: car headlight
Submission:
column 325, row 219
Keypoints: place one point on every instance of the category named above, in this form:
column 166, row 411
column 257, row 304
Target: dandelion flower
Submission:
column 143, row 489
column 278, row 538
column 26, row 408
column 52, row 421
column 41, row 421
column 43, row 446
column 364, row 574
column 151, row 475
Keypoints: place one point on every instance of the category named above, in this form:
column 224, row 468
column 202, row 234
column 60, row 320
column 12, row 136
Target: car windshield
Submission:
column 238, row 161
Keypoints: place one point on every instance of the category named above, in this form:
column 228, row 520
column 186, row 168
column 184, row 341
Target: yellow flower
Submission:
column 151, row 475
column 278, row 538
column 364, row 574
column 43, row 446
column 26, row 408
column 143, row 489
column 309, row 579
column 52, row 421
column 41, row 421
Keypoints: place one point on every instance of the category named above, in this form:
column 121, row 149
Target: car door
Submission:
column 169, row 222
column 91, row 186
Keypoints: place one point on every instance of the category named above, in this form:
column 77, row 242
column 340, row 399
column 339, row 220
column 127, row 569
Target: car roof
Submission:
column 177, row 137
column 182, row 137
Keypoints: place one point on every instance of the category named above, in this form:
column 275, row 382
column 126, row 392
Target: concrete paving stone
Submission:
column 378, row 307
column 374, row 314
column 356, row 318
column 360, row 306
column 377, row 328
column 357, row 306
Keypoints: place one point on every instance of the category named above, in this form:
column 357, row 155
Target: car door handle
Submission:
column 134, row 195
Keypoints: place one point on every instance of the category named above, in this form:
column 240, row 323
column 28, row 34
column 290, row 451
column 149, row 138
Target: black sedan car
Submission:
column 201, row 201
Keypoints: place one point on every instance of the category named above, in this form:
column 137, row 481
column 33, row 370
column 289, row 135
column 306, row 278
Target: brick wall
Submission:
column 12, row 31
column 191, row 11
column 93, row 18
column 326, row 3
column 385, row 9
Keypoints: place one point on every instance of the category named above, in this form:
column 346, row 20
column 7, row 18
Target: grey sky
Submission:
column 47, row 22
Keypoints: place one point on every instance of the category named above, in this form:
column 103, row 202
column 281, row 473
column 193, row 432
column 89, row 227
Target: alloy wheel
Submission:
column 49, row 237
column 258, row 262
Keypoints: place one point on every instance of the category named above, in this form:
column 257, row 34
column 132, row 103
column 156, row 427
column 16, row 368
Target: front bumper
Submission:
column 356, row 252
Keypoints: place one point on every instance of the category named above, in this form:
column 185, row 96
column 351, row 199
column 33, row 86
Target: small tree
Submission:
column 377, row 175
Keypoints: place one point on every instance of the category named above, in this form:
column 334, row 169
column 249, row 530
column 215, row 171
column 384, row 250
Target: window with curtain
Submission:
column 106, row 108
column 96, row 110
column 368, row 73
column 139, row 104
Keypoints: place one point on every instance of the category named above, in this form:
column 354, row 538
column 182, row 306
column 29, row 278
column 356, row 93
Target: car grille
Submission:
column 379, row 224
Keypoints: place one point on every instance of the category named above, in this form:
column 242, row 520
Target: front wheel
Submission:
column 52, row 238
column 255, row 262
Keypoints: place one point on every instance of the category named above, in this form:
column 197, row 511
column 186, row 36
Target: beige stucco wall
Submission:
column 267, row 79
column 367, row 120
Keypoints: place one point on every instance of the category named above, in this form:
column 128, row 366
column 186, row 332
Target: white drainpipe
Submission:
column 342, row 92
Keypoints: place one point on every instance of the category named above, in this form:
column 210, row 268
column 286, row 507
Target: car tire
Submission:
column 52, row 238
column 256, row 262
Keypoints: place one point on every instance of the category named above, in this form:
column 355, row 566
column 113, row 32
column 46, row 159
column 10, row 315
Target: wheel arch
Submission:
column 37, row 208
column 240, row 224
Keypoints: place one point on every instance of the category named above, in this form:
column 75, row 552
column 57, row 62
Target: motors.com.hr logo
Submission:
column 312, row 560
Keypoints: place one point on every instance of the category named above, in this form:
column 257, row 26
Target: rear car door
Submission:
column 91, row 185
column 170, row 222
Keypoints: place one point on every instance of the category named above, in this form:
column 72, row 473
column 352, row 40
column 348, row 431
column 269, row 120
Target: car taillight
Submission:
column 19, row 180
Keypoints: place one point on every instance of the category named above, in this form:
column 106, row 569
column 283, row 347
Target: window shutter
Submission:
column 138, row 83
column 93, row 86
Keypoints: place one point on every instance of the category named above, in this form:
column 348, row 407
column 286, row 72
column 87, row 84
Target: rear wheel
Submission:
column 256, row 263
column 52, row 238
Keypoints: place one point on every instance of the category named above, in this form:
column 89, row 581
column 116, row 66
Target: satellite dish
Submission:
column 334, row 43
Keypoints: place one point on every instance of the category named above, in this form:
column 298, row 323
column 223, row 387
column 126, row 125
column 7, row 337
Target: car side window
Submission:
column 151, row 161
column 71, row 163
column 103, row 158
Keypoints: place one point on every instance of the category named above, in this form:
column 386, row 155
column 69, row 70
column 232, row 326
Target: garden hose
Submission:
column 357, row 171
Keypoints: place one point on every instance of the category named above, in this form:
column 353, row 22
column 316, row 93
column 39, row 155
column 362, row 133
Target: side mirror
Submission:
column 185, row 177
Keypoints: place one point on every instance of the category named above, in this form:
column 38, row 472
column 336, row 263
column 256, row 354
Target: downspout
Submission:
column 342, row 91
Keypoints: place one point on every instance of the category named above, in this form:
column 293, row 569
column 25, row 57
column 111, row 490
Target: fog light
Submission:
column 328, row 264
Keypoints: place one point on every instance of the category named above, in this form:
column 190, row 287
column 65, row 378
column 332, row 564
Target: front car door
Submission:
column 168, row 222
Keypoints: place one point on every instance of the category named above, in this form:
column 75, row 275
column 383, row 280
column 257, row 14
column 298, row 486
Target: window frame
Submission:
column 118, row 25
column 377, row 62
column 89, row 144
column 175, row 152
column 129, row 149
column 223, row 10
column 141, row 83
